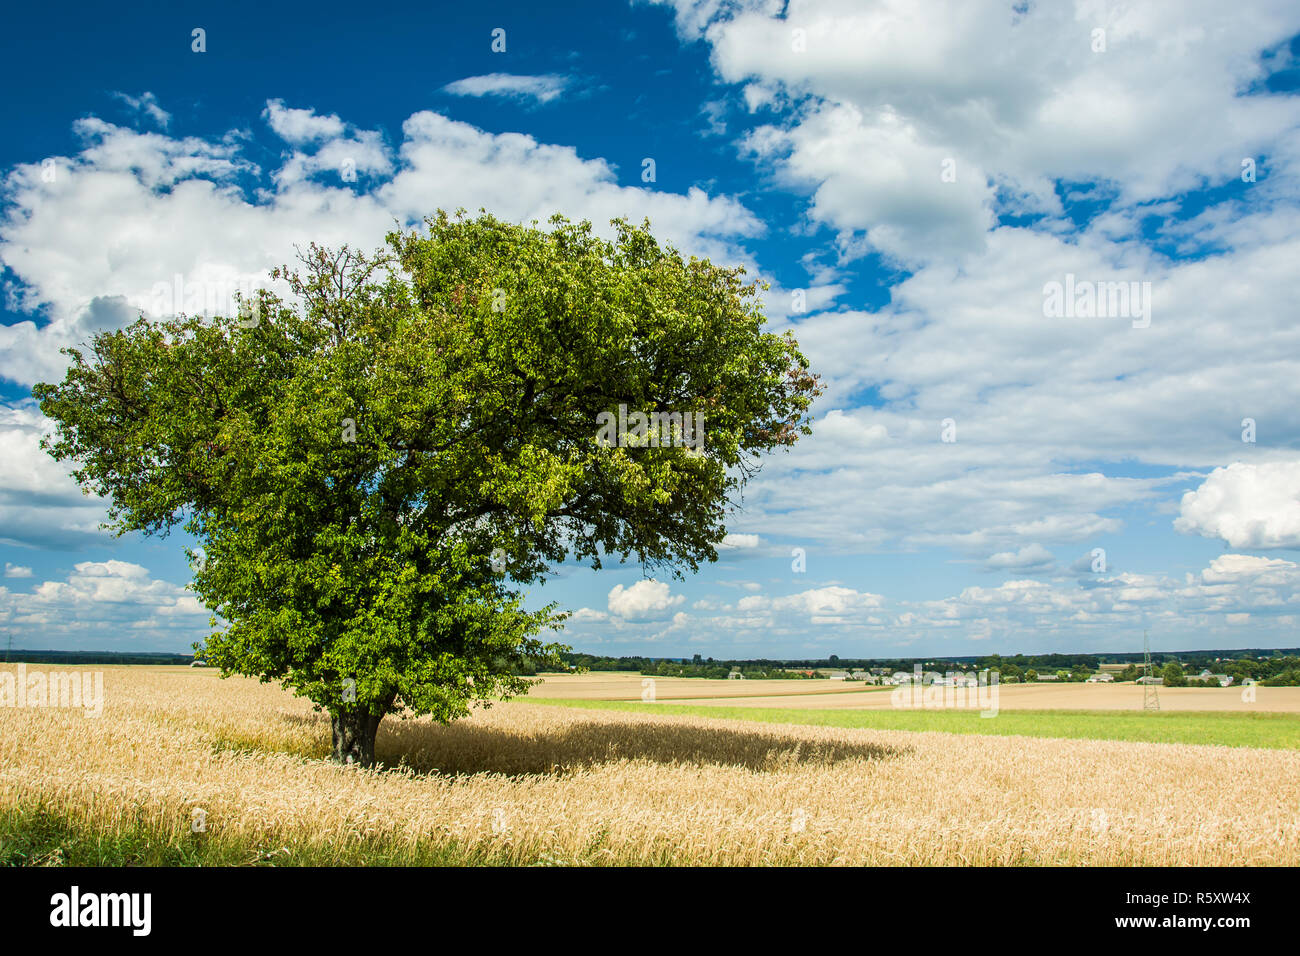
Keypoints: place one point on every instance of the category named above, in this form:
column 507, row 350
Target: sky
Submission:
column 1043, row 255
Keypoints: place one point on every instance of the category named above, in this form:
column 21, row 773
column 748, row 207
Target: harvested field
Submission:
column 840, row 694
column 622, row 685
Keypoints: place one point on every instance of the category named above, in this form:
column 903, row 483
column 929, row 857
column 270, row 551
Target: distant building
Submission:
column 198, row 663
column 1100, row 679
column 735, row 675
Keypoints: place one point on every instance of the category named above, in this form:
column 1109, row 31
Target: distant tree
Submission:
column 1031, row 675
column 1174, row 675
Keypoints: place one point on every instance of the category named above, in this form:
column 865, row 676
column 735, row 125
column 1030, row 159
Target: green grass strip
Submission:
column 1265, row 729
column 40, row 836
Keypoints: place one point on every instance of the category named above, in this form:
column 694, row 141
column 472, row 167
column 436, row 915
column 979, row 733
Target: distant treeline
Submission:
column 696, row 667
column 1265, row 665
column 1268, row 666
column 19, row 655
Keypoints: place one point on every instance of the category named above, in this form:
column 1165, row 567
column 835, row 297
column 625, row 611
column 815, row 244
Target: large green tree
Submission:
column 376, row 465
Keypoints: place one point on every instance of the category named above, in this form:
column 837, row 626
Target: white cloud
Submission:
column 644, row 600
column 133, row 210
column 542, row 89
column 1032, row 557
column 17, row 571
column 889, row 89
column 40, row 504
column 147, row 103
column 899, row 198
column 301, row 126
column 1235, row 568
column 100, row 602
column 1246, row 505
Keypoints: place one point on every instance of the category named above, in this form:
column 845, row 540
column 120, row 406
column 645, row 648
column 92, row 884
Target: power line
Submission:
column 1150, row 699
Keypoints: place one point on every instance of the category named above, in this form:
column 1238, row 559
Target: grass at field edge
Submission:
column 38, row 836
column 1265, row 729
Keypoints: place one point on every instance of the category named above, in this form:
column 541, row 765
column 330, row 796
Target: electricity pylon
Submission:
column 1150, row 699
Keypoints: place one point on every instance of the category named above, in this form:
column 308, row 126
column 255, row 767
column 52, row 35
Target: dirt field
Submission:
column 534, row 783
column 620, row 685
column 799, row 694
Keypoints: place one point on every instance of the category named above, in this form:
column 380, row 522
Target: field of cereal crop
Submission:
column 531, row 783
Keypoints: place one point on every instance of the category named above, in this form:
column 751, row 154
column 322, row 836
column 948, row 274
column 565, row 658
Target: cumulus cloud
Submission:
column 40, row 504
column 891, row 95
column 1032, row 557
column 1246, row 505
column 99, row 604
column 300, row 126
column 132, row 211
column 825, row 606
column 644, row 600
column 17, row 571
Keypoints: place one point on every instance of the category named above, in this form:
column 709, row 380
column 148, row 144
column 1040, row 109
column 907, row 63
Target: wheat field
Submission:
column 524, row 783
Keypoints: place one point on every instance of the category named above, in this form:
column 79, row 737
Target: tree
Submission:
column 376, row 467
column 1031, row 675
column 1173, row 675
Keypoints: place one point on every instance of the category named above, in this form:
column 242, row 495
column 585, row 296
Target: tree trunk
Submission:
column 354, row 736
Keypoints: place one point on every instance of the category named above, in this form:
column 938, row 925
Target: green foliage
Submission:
column 376, row 467
column 1173, row 675
column 40, row 837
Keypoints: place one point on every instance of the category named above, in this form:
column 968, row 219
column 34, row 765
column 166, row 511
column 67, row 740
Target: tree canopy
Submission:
column 376, row 466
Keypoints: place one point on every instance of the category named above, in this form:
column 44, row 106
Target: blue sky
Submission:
column 918, row 174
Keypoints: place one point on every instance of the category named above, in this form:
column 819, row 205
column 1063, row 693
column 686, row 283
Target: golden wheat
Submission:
column 528, row 782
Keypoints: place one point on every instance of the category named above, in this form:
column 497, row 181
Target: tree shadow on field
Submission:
column 465, row 748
